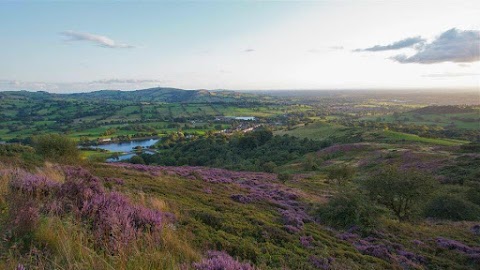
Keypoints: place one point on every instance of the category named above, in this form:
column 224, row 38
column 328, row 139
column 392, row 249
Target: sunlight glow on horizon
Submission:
column 238, row 46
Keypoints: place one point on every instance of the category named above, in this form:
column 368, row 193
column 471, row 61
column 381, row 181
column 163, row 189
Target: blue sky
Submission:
column 71, row 46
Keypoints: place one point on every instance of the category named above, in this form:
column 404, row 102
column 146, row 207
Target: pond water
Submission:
column 245, row 118
column 126, row 146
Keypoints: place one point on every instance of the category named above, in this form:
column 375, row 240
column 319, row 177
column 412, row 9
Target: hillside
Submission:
column 131, row 216
column 168, row 95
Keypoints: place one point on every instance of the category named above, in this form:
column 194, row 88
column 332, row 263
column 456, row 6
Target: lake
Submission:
column 126, row 146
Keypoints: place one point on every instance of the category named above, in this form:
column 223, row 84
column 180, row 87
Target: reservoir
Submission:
column 126, row 146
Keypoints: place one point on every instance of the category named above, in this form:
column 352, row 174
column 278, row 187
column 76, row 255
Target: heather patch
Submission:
column 343, row 148
column 260, row 187
column 473, row 253
column 113, row 219
column 384, row 249
column 219, row 260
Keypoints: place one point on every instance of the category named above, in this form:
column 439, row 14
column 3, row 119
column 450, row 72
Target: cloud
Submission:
column 404, row 43
column 249, row 50
column 451, row 46
column 102, row 41
column 336, row 47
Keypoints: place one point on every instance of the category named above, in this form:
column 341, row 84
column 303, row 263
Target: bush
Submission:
column 284, row 177
column 56, row 147
column 450, row 207
column 402, row 191
column 341, row 174
column 269, row 166
column 348, row 210
column 137, row 160
column 473, row 195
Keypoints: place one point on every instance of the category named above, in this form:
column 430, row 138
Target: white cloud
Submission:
column 102, row 41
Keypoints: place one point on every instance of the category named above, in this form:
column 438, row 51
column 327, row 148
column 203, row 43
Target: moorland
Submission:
column 240, row 180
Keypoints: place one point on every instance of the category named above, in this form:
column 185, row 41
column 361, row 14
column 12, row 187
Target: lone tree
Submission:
column 341, row 174
column 56, row 147
column 402, row 191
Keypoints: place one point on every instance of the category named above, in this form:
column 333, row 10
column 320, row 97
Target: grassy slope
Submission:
column 214, row 221
column 400, row 136
column 322, row 130
column 210, row 219
column 315, row 131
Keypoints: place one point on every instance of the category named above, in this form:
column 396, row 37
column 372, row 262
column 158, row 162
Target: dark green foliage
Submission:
column 20, row 155
column 137, row 160
column 269, row 166
column 473, row 194
column 462, row 170
column 56, row 147
column 451, row 207
column 402, row 191
column 284, row 177
column 256, row 150
column 14, row 149
column 341, row 174
column 473, row 147
column 347, row 210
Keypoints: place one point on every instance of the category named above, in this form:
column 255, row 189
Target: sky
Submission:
column 69, row 46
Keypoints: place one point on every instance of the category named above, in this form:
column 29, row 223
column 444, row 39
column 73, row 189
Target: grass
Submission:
column 94, row 155
column 316, row 131
column 394, row 136
column 207, row 218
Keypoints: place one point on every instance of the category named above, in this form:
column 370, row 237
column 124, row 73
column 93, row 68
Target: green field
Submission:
column 469, row 121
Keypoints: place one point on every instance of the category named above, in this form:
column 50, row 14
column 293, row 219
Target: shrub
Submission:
column 473, row 194
column 284, row 177
column 137, row 160
column 452, row 208
column 56, row 147
column 348, row 210
column 341, row 174
column 269, row 166
column 402, row 191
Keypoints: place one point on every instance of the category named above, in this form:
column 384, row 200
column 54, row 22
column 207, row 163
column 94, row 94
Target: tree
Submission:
column 402, row 191
column 56, row 147
column 137, row 160
column 341, row 174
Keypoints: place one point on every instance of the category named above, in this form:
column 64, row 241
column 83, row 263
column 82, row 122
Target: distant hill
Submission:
column 168, row 95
